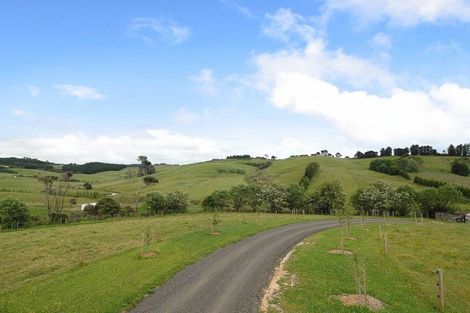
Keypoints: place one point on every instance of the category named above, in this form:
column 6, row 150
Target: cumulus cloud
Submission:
column 205, row 82
column 312, row 81
column 162, row 28
column 80, row 92
column 183, row 116
column 403, row 13
column 160, row 145
column 284, row 25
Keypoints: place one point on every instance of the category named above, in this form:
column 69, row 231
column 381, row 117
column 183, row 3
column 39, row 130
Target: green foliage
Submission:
column 275, row 197
column 260, row 165
column 460, row 167
column 328, row 198
column 312, row 170
column 87, row 186
column 107, row 207
column 239, row 157
column 217, row 200
column 231, row 170
column 295, row 197
column 442, row 199
column 13, row 212
column 240, row 196
column 150, row 180
column 400, row 166
column 177, row 201
column 28, row 163
column 92, row 167
column 145, row 167
column 428, row 182
column 155, row 203
column 4, row 169
column 374, row 199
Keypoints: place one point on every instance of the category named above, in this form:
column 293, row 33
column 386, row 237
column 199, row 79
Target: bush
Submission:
column 328, row 198
column 87, row 186
column 150, row 180
column 217, row 200
column 460, row 167
column 13, row 212
column 155, row 203
column 275, row 197
column 312, row 170
column 295, row 198
column 442, row 199
column 107, row 207
column 401, row 166
column 177, row 202
column 373, row 199
column 240, row 196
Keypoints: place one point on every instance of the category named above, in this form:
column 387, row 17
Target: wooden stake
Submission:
column 440, row 286
column 385, row 244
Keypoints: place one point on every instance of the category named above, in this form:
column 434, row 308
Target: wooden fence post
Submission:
column 385, row 244
column 440, row 287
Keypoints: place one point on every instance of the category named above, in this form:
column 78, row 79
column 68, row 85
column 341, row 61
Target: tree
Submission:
column 442, row 199
column 295, row 198
column 405, row 201
column 460, row 167
column 373, row 199
column 459, row 150
column 388, row 151
column 414, row 150
column 87, row 186
column 312, row 169
column 401, row 151
column 239, row 195
column 275, row 197
column 177, row 201
column 150, row 180
column 328, row 198
column 107, row 207
column 155, row 203
column 359, row 155
column 451, row 150
column 13, row 212
column 338, row 155
column 56, row 191
column 217, row 200
column 146, row 167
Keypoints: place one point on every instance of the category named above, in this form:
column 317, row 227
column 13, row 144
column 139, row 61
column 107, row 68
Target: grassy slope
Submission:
column 41, row 273
column 404, row 279
column 201, row 179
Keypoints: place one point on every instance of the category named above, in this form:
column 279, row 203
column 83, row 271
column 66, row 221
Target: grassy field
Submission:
column 404, row 279
column 41, row 272
column 200, row 179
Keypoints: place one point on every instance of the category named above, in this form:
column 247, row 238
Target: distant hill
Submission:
column 28, row 163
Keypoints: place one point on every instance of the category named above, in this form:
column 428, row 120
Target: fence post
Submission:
column 440, row 287
column 385, row 244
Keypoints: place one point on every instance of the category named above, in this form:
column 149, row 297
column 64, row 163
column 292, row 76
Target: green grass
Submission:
column 200, row 179
column 404, row 279
column 40, row 267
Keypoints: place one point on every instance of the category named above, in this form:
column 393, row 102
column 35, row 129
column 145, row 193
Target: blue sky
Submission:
column 184, row 81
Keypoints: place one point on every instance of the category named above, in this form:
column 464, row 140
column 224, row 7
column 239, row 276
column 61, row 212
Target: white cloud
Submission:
column 243, row 10
column 335, row 86
column 205, row 82
column 160, row 145
column 34, row 90
column 284, row 25
column 382, row 40
column 165, row 29
column 404, row 13
column 81, row 92
column 22, row 113
column 183, row 116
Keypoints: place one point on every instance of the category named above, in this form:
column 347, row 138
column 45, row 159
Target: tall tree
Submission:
column 146, row 167
column 451, row 150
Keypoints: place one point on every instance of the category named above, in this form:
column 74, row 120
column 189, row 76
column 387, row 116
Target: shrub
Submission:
column 460, row 167
column 373, row 199
column 177, row 202
column 428, row 182
column 295, row 197
column 150, row 180
column 328, row 198
column 217, row 200
column 442, row 199
column 401, row 166
column 275, row 197
column 87, row 186
column 155, row 203
column 312, row 170
column 240, row 196
column 107, row 207
column 13, row 212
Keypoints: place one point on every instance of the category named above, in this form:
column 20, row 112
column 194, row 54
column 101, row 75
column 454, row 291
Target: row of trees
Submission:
column 401, row 166
column 459, row 150
column 92, row 167
column 312, row 169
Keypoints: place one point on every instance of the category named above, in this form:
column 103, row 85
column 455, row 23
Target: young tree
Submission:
column 239, row 195
column 56, row 191
column 155, row 203
column 295, row 198
column 13, row 213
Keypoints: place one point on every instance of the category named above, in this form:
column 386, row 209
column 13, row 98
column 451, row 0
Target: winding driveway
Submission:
column 231, row 279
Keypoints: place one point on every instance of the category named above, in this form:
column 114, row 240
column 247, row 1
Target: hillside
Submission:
column 200, row 179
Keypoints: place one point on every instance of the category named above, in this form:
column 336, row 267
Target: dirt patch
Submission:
column 274, row 289
column 369, row 302
column 340, row 252
column 148, row 254
column 215, row 233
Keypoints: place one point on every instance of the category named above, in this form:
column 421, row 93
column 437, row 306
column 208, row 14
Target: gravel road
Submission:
column 231, row 279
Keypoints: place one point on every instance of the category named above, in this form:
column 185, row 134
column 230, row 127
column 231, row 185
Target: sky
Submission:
column 188, row 81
